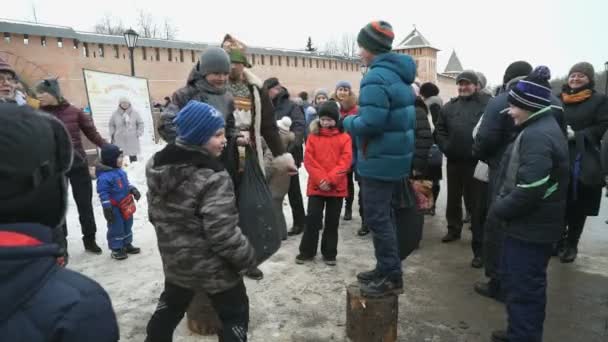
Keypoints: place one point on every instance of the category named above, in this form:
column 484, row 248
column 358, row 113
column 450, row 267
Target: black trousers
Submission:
column 575, row 220
column 360, row 200
column 82, row 190
column 436, row 191
column 493, row 236
column 460, row 183
column 478, row 217
column 329, row 242
column 231, row 306
column 348, row 201
column 295, row 201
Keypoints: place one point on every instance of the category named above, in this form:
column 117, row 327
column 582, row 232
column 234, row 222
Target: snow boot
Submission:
column 119, row 254
column 91, row 246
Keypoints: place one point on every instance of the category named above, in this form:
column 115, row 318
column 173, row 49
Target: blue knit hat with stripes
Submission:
column 197, row 122
column 533, row 92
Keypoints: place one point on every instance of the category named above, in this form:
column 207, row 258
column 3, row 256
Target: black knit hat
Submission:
column 51, row 86
column 110, row 154
column 584, row 68
column 468, row 75
column 516, row 69
column 376, row 37
column 428, row 89
column 330, row 109
column 36, row 153
column 534, row 92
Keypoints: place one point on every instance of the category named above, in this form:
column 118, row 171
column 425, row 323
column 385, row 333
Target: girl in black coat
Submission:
column 586, row 114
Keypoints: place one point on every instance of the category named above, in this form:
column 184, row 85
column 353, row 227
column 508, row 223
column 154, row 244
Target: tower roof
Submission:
column 414, row 40
column 454, row 64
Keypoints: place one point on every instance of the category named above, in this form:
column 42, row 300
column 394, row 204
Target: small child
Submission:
column 327, row 159
column 116, row 195
column 191, row 203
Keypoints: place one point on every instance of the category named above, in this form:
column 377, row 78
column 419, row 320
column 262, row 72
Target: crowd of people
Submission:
column 516, row 157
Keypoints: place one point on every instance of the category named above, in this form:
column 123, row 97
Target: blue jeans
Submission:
column 524, row 271
column 120, row 231
column 377, row 200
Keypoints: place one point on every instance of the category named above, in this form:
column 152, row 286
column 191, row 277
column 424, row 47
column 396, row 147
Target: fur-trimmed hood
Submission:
column 315, row 127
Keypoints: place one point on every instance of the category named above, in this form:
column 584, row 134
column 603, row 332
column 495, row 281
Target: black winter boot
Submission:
column 367, row 276
column 119, row 254
column 364, row 230
column 382, row 286
column 570, row 254
column 296, row 230
column 130, row 249
column 348, row 214
column 91, row 246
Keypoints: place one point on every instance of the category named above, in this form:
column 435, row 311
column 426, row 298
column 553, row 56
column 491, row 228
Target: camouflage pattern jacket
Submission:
column 191, row 204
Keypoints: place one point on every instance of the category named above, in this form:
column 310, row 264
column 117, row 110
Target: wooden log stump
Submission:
column 370, row 319
column 201, row 316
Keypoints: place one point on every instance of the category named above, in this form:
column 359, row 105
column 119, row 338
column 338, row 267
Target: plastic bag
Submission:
column 423, row 189
column 257, row 218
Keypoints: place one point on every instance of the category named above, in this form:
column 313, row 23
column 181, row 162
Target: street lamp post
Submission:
column 131, row 40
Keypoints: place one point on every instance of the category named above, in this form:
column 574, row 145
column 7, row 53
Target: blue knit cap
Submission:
column 197, row 122
column 344, row 84
column 110, row 154
column 533, row 92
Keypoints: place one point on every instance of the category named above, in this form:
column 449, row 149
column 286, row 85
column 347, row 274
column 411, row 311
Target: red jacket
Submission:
column 328, row 157
column 75, row 121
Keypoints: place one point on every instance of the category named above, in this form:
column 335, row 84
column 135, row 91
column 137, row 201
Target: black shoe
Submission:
column 130, row 249
column 348, row 214
column 382, row 286
column 450, row 236
column 255, row 274
column 119, row 254
column 364, row 230
column 295, row 230
column 367, row 276
column 329, row 261
column 302, row 259
column 558, row 248
column 467, row 219
column 477, row 262
column 569, row 255
column 91, row 246
column 499, row 336
column 490, row 290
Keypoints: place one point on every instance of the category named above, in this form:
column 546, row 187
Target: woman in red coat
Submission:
column 328, row 160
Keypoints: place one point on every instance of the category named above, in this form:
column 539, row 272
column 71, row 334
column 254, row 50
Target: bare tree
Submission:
column 169, row 30
column 332, row 47
column 349, row 45
column 147, row 26
column 109, row 25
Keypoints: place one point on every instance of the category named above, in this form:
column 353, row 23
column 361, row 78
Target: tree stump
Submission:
column 371, row 319
column 201, row 316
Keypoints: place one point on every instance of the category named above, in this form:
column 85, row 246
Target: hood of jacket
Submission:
column 24, row 267
column 402, row 65
column 160, row 169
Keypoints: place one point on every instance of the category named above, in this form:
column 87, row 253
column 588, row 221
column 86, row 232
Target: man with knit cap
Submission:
column 531, row 194
column 8, row 82
column 384, row 132
column 454, row 136
column 39, row 300
column 191, row 203
column 206, row 83
column 76, row 121
column 494, row 135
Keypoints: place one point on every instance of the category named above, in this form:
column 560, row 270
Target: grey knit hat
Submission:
column 584, row 68
column 51, row 86
column 214, row 60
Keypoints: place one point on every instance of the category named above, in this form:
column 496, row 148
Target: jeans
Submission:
column 295, row 201
column 314, row 223
column 377, row 200
column 231, row 306
column 460, row 184
column 524, row 278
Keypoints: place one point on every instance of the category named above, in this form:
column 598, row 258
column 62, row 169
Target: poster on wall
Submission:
column 104, row 91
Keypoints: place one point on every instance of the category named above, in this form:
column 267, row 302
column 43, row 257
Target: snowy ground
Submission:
column 306, row 303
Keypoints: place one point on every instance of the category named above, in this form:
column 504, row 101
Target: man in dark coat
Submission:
column 494, row 135
column 530, row 195
column 39, row 300
column 75, row 120
column 454, row 136
column 283, row 106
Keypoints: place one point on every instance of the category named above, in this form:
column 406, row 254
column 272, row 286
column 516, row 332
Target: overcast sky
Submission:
column 487, row 35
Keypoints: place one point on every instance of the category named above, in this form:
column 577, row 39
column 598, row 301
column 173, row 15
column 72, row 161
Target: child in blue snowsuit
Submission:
column 116, row 195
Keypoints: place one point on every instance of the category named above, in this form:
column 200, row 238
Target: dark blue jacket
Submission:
column 384, row 128
column 40, row 301
column 112, row 185
column 532, row 192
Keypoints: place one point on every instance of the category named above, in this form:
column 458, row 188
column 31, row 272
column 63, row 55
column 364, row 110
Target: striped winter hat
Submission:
column 376, row 37
column 197, row 122
column 533, row 92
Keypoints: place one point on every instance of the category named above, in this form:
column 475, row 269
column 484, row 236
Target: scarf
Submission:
column 126, row 117
column 578, row 95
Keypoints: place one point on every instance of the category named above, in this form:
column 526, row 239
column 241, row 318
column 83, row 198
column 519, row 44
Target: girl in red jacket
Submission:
column 328, row 160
